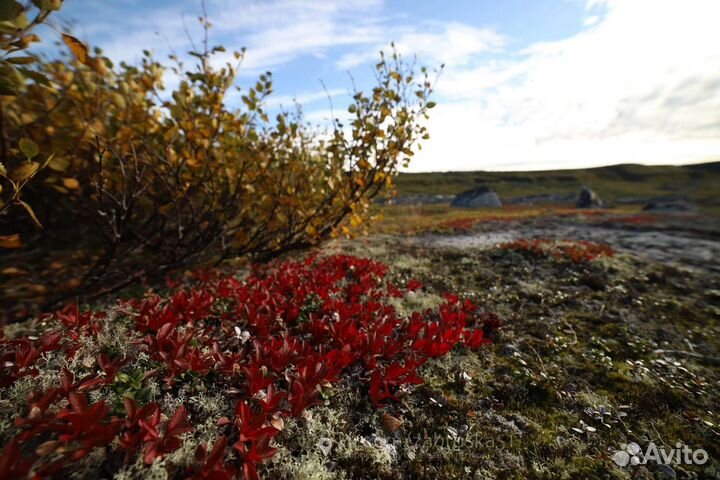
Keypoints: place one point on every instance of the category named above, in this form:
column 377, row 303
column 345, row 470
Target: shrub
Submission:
column 17, row 167
column 143, row 182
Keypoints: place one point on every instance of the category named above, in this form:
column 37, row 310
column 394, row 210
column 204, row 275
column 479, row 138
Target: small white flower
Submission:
column 243, row 335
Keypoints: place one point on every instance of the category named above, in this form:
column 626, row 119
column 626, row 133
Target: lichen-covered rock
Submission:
column 588, row 199
column 481, row 197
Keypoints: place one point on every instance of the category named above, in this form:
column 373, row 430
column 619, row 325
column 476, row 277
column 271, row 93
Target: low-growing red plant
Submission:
column 575, row 251
column 460, row 225
column 634, row 219
column 274, row 341
column 162, row 437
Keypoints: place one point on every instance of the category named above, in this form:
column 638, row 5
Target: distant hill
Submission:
column 700, row 182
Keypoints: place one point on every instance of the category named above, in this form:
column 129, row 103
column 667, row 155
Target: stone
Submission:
column 670, row 206
column 595, row 281
column 588, row 199
column 481, row 197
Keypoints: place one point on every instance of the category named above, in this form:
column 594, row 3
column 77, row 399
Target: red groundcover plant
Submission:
column 578, row 251
column 272, row 341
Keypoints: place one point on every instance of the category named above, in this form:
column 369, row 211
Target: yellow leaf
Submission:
column 59, row 164
column 71, row 183
column 311, row 230
column 12, row 271
column 355, row 220
column 30, row 211
column 119, row 101
column 77, row 47
column 10, row 241
column 24, row 171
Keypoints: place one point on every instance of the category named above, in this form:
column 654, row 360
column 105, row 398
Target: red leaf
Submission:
column 178, row 423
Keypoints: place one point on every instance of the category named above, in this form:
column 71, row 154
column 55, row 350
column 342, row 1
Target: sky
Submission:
column 527, row 85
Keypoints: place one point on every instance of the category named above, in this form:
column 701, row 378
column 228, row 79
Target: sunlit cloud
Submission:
column 632, row 81
column 452, row 44
column 640, row 85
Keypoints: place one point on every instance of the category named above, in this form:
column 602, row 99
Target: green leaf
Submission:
column 3, row 171
column 430, row 104
column 9, row 9
column 29, row 148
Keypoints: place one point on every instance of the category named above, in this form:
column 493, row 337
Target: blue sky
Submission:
column 534, row 84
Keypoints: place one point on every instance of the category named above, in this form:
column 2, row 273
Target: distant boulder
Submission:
column 481, row 197
column 668, row 206
column 588, row 199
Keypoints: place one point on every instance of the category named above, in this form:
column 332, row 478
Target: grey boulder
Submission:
column 588, row 199
column 670, row 206
column 481, row 197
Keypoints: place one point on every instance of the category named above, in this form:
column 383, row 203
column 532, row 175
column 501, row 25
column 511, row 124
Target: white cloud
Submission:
column 304, row 98
column 454, row 44
column 591, row 20
column 324, row 117
column 272, row 47
column 279, row 31
column 274, row 31
column 642, row 85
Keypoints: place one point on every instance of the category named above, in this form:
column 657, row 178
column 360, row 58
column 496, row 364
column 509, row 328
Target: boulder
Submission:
column 671, row 206
column 588, row 199
column 481, row 197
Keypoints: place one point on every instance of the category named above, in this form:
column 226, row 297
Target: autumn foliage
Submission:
column 141, row 180
column 273, row 344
